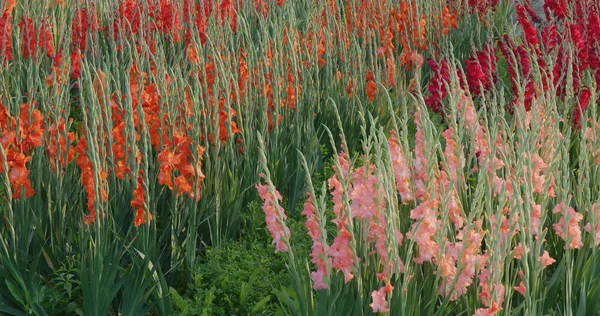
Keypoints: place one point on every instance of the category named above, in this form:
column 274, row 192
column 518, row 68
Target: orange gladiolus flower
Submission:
column 139, row 203
column 371, row 87
column 320, row 52
column 18, row 176
column 9, row 5
column 391, row 73
column 167, row 160
column 87, row 179
column 448, row 21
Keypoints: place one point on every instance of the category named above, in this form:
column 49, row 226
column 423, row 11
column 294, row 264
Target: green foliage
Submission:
column 240, row 278
column 63, row 292
column 236, row 280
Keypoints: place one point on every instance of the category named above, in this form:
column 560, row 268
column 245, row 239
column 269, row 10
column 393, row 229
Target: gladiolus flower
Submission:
column 275, row 217
column 318, row 251
column 595, row 212
column 480, row 70
column 437, row 84
column 520, row 288
column 371, row 87
column 402, row 171
column 573, row 232
column 379, row 304
column 546, row 260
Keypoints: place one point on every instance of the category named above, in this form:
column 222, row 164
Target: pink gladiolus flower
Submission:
column 379, row 304
column 275, row 217
column 318, row 278
column 470, row 260
column 452, row 153
column 465, row 104
column 536, row 215
column 343, row 258
column 573, row 231
column 492, row 302
column 490, row 311
column 595, row 213
column 318, row 251
column 422, row 232
column 520, row 288
column 364, row 194
column 420, row 163
column 538, row 178
column 312, row 223
column 482, row 146
column 401, row 170
column 546, row 260
column 337, row 190
column 519, row 250
column 448, row 272
column 455, row 160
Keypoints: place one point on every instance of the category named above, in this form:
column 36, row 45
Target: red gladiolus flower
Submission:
column 76, row 63
column 522, row 59
column 437, row 84
column 550, row 37
column 584, row 100
column 45, row 39
column 556, row 7
column 529, row 30
column 169, row 21
column 28, row 37
column 594, row 26
column 531, row 12
column 5, row 37
column 480, row 70
column 79, row 28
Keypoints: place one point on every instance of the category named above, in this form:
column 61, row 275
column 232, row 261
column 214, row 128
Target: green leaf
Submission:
column 11, row 311
column 39, row 310
column 582, row 302
column 243, row 296
column 261, row 303
column 15, row 292
column 177, row 299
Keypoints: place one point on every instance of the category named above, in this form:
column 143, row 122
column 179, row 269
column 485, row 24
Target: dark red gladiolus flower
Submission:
column 550, row 37
column 529, row 30
column 522, row 59
column 480, row 70
column 482, row 6
column 593, row 30
column 437, row 84
column 531, row 12
column 584, row 100
column 558, row 8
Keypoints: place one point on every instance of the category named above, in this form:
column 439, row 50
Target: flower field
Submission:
column 279, row 157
